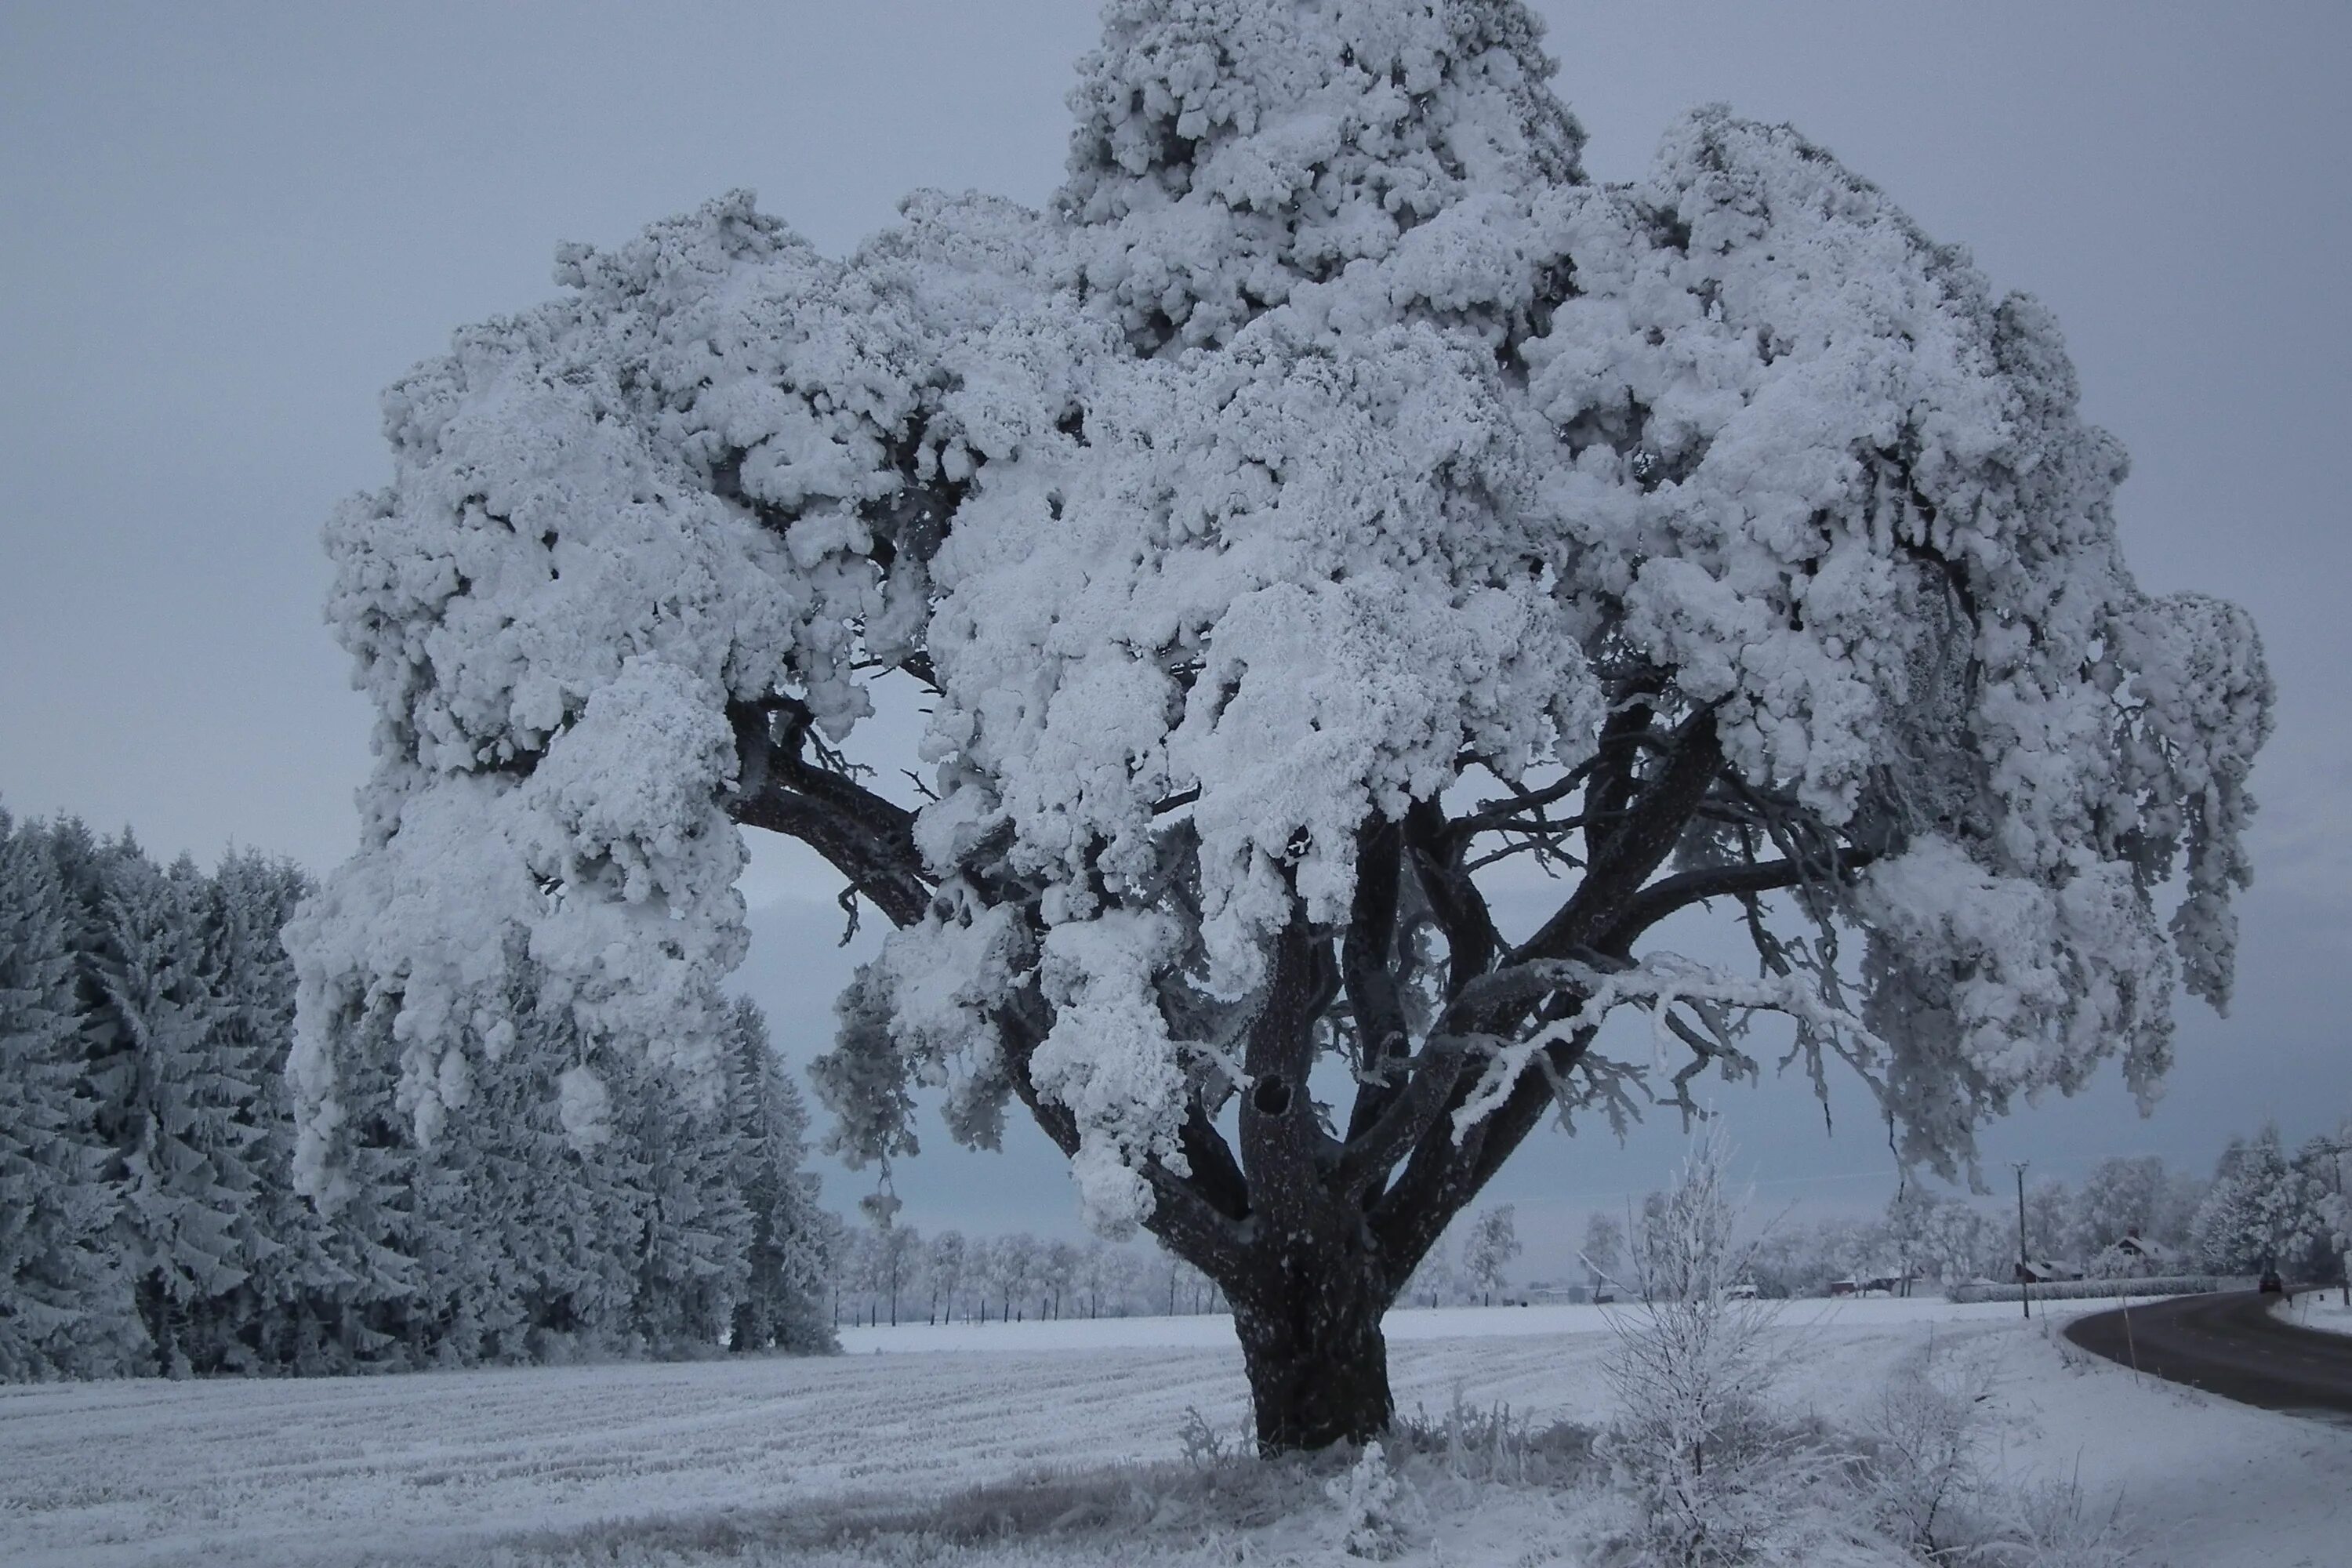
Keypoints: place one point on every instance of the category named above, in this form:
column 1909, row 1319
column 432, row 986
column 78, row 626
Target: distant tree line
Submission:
column 2264, row 1206
column 148, row 1218
column 892, row 1273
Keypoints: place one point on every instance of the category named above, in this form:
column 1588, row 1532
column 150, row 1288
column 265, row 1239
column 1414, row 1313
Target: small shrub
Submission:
column 1495, row 1443
column 1920, row 1471
column 1377, row 1507
column 1716, row 1478
column 2055, row 1524
column 1203, row 1445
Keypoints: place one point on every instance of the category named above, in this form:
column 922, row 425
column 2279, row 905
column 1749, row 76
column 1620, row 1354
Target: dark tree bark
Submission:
column 1309, row 1318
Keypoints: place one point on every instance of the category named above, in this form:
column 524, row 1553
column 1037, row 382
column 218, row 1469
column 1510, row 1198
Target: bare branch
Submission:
column 1668, row 894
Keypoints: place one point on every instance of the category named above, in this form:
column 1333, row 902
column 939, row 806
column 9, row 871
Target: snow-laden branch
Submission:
column 1660, row 983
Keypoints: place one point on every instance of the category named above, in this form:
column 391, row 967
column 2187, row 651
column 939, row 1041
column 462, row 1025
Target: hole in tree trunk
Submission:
column 1272, row 1096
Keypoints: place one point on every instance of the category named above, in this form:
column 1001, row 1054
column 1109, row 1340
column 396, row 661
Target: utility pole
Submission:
column 2024, row 1286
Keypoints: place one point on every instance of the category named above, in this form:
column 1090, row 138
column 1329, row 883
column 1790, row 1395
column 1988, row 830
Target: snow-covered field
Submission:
column 1404, row 1327
column 687, row 1463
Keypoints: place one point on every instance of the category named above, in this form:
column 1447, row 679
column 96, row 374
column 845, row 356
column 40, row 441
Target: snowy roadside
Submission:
column 442, row 1466
column 2321, row 1309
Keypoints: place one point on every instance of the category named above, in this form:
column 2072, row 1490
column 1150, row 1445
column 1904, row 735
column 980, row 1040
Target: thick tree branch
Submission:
column 1444, row 1177
column 1279, row 1137
column 1404, row 1119
column 1493, row 814
column 1636, row 848
column 1615, row 759
column 1368, row 968
column 1020, row 1025
column 1209, row 1240
column 1441, row 1174
column 1668, row 894
column 1216, row 1174
column 868, row 839
column 1455, row 901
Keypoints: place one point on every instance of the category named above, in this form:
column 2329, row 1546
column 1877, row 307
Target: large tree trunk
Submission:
column 1309, row 1318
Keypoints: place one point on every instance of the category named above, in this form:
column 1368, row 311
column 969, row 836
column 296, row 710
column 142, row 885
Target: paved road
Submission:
column 2227, row 1344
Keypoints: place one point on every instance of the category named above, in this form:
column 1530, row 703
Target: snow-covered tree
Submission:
column 65, row 1299
column 1057, row 1275
column 896, row 1253
column 1098, row 1275
column 2335, row 1203
column 2054, row 1223
column 1938, row 1238
column 288, row 1310
column 1690, row 1369
column 373, row 1200
column 2261, row 1211
column 1492, row 1241
column 782, row 1306
column 693, row 1258
column 178, row 1095
column 1330, row 499
column 1603, row 1252
column 1009, row 1266
column 1436, row 1282
column 944, row 1265
column 2132, row 1217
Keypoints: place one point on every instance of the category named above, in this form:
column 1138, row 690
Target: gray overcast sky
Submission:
column 224, row 228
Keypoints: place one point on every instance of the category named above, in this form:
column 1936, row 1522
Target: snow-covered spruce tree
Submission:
column 784, row 1299
column 584, row 1176
column 286, row 1312
column 693, row 1261
column 65, row 1300
column 1330, row 500
column 179, row 1098
column 372, row 1201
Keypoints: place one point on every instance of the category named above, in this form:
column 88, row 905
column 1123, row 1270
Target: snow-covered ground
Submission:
column 509, row 1465
column 2322, row 1309
column 1403, row 1326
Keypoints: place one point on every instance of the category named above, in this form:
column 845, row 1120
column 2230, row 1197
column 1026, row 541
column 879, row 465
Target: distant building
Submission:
column 2134, row 1258
column 1876, row 1282
column 1545, row 1294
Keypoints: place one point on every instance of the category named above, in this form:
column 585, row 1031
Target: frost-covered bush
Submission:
column 2104, row 1290
column 1929, row 1478
column 1496, row 1443
column 1926, row 1435
column 1718, row 1478
column 1377, row 1508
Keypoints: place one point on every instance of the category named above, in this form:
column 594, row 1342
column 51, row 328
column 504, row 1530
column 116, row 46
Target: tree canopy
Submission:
column 1331, row 498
